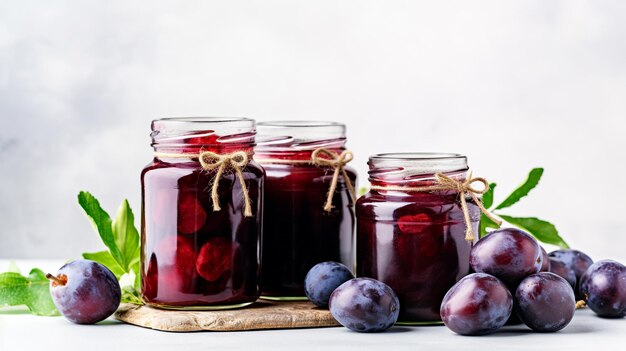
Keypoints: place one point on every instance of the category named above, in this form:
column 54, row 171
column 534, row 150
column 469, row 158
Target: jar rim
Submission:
column 417, row 156
column 203, row 119
column 175, row 132
column 409, row 166
column 178, row 124
column 300, row 124
column 304, row 135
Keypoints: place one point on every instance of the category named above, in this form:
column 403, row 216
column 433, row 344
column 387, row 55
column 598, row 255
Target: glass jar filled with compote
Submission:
column 201, row 214
column 309, row 204
column 411, row 233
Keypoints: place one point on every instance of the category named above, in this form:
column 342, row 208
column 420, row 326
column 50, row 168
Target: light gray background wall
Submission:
column 512, row 84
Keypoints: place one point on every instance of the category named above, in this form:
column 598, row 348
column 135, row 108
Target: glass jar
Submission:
column 301, row 226
column 414, row 241
column 198, row 253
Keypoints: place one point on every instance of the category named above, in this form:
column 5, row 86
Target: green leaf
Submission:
column 102, row 222
column 14, row 289
column 126, row 236
column 41, row 302
column 485, row 223
column 544, row 231
column 531, row 182
column 32, row 291
column 488, row 196
column 121, row 238
column 105, row 258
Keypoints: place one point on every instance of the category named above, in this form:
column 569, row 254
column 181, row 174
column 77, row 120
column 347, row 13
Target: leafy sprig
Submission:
column 542, row 230
column 121, row 238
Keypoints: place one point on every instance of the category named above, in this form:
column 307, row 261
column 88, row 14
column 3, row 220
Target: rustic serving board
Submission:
column 260, row 315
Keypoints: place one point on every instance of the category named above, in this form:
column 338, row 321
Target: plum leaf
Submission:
column 126, row 235
column 544, row 231
column 101, row 222
column 32, row 291
column 121, row 237
column 531, row 182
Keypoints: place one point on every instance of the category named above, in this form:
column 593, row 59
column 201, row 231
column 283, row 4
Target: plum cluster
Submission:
column 360, row 304
column 512, row 280
column 516, row 280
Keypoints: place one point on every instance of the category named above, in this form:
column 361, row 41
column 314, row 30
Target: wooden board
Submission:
column 260, row 315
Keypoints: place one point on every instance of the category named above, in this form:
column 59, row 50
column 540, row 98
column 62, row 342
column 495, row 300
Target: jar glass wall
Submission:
column 194, row 256
column 298, row 231
column 414, row 241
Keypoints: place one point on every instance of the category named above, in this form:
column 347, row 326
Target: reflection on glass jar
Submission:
column 194, row 254
column 414, row 241
column 304, row 226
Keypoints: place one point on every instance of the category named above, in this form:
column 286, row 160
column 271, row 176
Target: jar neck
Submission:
column 415, row 169
column 200, row 134
column 297, row 140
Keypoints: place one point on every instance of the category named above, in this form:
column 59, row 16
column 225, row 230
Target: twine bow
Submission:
column 463, row 187
column 236, row 160
column 210, row 161
column 338, row 162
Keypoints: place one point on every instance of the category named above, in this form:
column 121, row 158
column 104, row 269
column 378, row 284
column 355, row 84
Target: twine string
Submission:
column 325, row 158
column 338, row 162
column 463, row 187
column 222, row 162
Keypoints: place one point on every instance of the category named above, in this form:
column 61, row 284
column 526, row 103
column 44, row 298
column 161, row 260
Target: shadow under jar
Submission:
column 298, row 232
column 193, row 256
column 414, row 241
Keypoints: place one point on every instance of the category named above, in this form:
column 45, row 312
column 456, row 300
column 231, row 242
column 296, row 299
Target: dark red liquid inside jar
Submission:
column 193, row 256
column 298, row 233
column 413, row 241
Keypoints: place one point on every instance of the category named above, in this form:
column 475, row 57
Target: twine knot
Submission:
column 326, row 158
column 222, row 162
column 236, row 160
column 210, row 160
column 464, row 188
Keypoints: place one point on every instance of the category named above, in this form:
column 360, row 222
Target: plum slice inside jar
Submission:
column 194, row 257
column 191, row 214
column 414, row 241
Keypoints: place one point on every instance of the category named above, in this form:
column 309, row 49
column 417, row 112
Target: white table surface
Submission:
column 21, row 331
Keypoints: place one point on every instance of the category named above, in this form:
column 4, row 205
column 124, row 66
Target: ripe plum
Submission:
column 323, row 279
column 508, row 254
column 603, row 287
column 545, row 302
column 365, row 305
column 478, row 304
column 85, row 292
